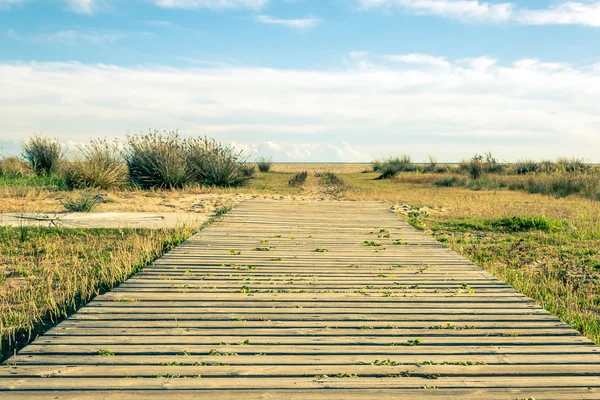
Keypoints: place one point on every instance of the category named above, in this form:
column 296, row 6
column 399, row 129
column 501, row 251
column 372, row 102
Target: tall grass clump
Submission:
column 391, row 166
column 524, row 167
column 99, row 165
column 157, row 160
column 213, row 164
column 85, row 201
column 45, row 155
column 431, row 165
column 480, row 164
column 264, row 164
column 299, row 179
column 571, row 164
column 474, row 167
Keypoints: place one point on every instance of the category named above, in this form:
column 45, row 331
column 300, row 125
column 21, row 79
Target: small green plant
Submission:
column 86, row 201
column 387, row 362
column 264, row 164
column 215, row 352
column 318, row 250
column 45, row 155
column 371, row 243
column 222, row 211
column 415, row 217
column 409, row 342
column 345, row 375
column 105, row 352
column 262, row 249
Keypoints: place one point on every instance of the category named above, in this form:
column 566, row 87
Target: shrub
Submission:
column 571, row 164
column 214, row 164
column 329, row 178
column 393, row 165
column 157, row 160
column 527, row 166
column 84, row 202
column 100, row 165
column 474, row 167
column 12, row 167
column 264, row 164
column 45, row 155
column 298, row 179
column 376, row 165
column 491, row 164
column 548, row 166
column 248, row 170
column 449, row 182
column 431, row 165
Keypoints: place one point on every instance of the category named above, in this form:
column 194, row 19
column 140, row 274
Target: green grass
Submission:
column 48, row 273
column 52, row 182
column 545, row 259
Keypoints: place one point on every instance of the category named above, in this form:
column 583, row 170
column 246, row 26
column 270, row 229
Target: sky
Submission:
column 308, row 80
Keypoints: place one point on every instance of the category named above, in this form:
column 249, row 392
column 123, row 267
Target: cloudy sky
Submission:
column 308, row 80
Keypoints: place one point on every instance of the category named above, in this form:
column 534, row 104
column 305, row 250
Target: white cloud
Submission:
column 529, row 108
column 562, row 13
column 348, row 153
column 569, row 13
column 273, row 146
column 419, row 59
column 88, row 7
column 70, row 37
column 6, row 5
column 212, row 4
column 460, row 9
column 303, row 24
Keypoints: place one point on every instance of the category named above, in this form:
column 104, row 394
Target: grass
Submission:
column 44, row 155
column 48, row 273
column 299, row 179
column 264, row 164
column 157, row 160
column 390, row 167
column 99, row 164
column 84, row 202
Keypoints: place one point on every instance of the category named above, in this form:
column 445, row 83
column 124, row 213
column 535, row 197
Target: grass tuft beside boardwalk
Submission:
column 48, row 273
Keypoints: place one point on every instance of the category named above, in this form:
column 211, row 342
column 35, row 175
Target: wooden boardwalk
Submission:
column 283, row 299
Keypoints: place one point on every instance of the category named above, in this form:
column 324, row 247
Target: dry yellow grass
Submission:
column 311, row 168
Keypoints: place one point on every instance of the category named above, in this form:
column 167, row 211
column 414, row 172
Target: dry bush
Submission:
column 45, row 155
column 157, row 160
column 214, row 164
column 99, row 165
column 264, row 164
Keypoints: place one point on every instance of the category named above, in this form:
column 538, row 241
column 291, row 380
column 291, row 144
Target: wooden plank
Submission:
column 314, row 394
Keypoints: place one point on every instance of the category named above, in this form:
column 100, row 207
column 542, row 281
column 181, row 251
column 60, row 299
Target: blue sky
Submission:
column 306, row 80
